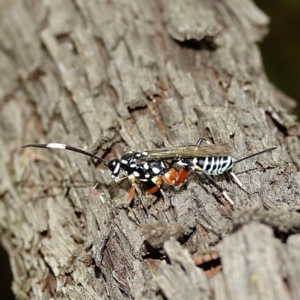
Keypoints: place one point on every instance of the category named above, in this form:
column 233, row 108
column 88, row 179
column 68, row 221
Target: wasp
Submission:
column 151, row 172
column 207, row 159
column 153, row 167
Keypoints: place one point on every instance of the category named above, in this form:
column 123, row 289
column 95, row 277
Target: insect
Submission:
column 153, row 167
column 209, row 159
column 151, row 172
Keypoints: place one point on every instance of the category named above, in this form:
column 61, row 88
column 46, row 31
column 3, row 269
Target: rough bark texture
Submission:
column 112, row 76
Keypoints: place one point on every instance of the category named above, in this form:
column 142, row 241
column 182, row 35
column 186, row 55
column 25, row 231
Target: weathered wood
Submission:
column 135, row 75
column 181, row 279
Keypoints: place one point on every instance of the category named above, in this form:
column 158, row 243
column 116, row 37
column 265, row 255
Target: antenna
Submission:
column 254, row 154
column 65, row 147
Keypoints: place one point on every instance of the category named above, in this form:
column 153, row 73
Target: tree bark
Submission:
column 116, row 76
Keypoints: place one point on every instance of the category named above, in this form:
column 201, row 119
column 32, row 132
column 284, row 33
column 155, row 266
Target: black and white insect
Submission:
column 150, row 172
column 207, row 159
column 153, row 167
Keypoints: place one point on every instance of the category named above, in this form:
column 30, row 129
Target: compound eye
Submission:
column 114, row 167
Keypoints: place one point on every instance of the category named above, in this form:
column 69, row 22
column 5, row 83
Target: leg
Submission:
column 182, row 174
column 152, row 187
column 94, row 190
column 216, row 185
column 131, row 194
column 237, row 181
column 167, row 201
column 200, row 141
column 170, row 177
column 130, row 197
column 174, row 177
column 152, row 191
column 219, row 188
column 117, row 180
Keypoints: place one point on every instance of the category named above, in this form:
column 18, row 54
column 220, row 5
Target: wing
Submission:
column 188, row 151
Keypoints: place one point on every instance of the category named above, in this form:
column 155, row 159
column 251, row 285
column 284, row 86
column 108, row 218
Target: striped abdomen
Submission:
column 210, row 165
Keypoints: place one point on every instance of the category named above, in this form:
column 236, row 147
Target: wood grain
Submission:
column 115, row 76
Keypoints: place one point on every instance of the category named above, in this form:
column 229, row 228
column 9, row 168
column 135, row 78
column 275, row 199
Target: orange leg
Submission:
column 153, row 190
column 173, row 177
column 157, row 181
column 170, row 177
column 131, row 194
column 150, row 191
column 182, row 174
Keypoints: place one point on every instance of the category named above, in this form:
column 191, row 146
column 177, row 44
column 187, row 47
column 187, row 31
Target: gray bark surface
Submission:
column 114, row 76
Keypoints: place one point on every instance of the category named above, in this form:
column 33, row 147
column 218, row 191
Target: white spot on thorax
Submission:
column 155, row 170
column 136, row 174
